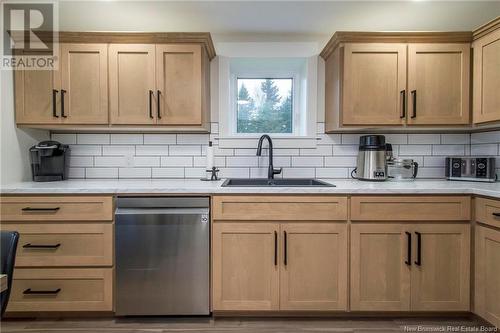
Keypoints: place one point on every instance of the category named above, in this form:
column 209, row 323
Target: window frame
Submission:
column 265, row 74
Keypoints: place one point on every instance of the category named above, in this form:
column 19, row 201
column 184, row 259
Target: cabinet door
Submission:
column 380, row 275
column 313, row 272
column 374, row 81
column 441, row 268
column 179, row 82
column 487, row 281
column 438, row 84
column 132, row 84
column 245, row 266
column 37, row 96
column 84, row 76
column 486, row 102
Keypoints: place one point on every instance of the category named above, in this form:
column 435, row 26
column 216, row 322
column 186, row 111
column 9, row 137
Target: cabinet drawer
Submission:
column 91, row 208
column 410, row 208
column 488, row 211
column 55, row 245
column 280, row 208
column 58, row 289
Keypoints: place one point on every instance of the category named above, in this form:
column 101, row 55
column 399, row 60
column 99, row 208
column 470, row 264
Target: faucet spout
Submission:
column 271, row 171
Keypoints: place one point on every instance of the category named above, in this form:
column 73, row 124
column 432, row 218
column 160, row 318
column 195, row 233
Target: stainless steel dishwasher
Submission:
column 162, row 256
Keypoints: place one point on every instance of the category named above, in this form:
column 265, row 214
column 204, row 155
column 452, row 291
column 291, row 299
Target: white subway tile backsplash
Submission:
column 118, row 150
column 185, row 150
column 168, row 172
column 424, row 139
column 159, row 139
column 320, row 128
column 90, row 139
column 448, row 150
column 146, row 155
column 127, row 139
column 176, row 161
column 192, row 139
column 146, row 161
column 134, row 173
column 64, row 138
column 242, row 161
column 151, row 150
column 85, row 150
column 405, row 150
column 298, row 173
column 340, row 161
column 110, row 161
column 485, row 137
column 319, row 151
column 332, row 173
column 458, row 139
column 214, row 128
column 307, row 161
column 484, row 149
column 101, row 173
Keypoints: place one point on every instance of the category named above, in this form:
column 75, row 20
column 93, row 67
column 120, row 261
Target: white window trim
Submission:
column 227, row 137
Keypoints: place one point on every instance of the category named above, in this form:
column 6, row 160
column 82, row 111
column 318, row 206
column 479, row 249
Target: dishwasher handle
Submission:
column 161, row 211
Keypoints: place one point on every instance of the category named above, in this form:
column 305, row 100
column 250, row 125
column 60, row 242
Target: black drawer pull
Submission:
column 418, row 262
column 41, row 246
column 403, row 109
column 62, row 103
column 41, row 292
column 285, row 248
column 414, row 94
column 54, row 106
column 151, row 93
column 40, row 209
column 158, row 102
column 496, row 214
column 275, row 248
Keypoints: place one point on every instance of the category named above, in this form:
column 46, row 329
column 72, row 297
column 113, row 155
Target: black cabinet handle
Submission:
column 151, row 93
column 41, row 292
column 275, row 248
column 403, row 100
column 41, row 209
column 414, row 99
column 285, row 254
column 408, row 256
column 62, row 103
column 158, row 100
column 496, row 214
column 41, row 246
column 54, row 106
column 418, row 262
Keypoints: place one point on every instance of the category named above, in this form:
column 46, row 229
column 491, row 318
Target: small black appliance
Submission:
column 49, row 161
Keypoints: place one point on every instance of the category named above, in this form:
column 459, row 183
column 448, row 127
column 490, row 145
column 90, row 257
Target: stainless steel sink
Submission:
column 261, row 182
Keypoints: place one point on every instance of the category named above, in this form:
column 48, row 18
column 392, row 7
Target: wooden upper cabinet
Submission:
column 374, row 77
column 37, row 98
column 438, row 84
column 440, row 278
column 486, row 100
column 179, row 83
column 132, row 92
column 84, row 83
column 314, row 274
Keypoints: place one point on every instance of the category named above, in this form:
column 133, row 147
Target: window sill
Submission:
column 278, row 141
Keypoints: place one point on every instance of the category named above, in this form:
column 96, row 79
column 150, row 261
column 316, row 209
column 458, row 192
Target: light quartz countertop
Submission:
column 193, row 186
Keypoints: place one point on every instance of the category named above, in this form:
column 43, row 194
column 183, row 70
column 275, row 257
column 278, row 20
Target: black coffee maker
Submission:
column 49, row 161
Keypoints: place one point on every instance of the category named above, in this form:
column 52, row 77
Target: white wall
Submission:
column 14, row 142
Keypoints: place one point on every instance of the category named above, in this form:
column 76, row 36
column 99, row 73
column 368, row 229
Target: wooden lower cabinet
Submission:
column 487, row 274
column 416, row 267
column 245, row 266
column 250, row 273
column 442, row 280
column 380, row 278
column 314, row 276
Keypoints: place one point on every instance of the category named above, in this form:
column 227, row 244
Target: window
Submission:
column 264, row 105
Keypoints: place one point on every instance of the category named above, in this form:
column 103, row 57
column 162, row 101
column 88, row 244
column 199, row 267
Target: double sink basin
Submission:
column 283, row 182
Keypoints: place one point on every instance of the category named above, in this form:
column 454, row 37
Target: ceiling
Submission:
column 275, row 20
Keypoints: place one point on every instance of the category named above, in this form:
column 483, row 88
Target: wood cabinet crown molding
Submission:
column 486, row 28
column 102, row 37
column 340, row 37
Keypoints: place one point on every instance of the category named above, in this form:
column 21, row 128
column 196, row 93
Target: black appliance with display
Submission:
column 49, row 161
